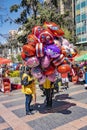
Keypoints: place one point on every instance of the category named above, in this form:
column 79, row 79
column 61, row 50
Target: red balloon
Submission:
column 37, row 30
column 54, row 28
column 32, row 39
column 48, row 71
column 64, row 68
column 29, row 50
column 46, row 37
column 23, row 55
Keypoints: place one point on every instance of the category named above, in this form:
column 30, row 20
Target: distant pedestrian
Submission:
column 65, row 80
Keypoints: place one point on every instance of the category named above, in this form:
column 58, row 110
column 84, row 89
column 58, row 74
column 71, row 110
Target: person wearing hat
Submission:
column 28, row 88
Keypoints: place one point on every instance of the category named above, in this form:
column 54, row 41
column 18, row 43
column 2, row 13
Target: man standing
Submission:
column 28, row 88
column 48, row 87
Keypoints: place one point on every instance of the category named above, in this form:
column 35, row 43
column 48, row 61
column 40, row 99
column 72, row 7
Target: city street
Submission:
column 69, row 111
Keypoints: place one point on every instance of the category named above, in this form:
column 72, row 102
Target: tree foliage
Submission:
column 35, row 13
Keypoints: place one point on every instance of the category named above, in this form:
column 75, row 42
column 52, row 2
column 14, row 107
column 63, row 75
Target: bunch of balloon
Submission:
column 46, row 52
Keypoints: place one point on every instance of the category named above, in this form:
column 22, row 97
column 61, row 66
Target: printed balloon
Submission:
column 46, row 37
column 29, row 50
column 45, row 62
column 36, row 72
column 52, row 50
column 32, row 39
column 48, row 71
column 37, row 30
column 54, row 28
column 33, row 62
column 42, row 79
column 52, row 77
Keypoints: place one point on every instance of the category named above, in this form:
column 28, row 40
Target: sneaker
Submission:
column 28, row 113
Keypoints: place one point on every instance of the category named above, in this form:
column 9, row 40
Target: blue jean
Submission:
column 28, row 102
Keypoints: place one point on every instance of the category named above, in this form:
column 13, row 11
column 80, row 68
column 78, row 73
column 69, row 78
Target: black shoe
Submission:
column 28, row 113
column 49, row 107
column 31, row 110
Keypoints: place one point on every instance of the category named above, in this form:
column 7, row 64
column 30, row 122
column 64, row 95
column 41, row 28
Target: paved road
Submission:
column 69, row 111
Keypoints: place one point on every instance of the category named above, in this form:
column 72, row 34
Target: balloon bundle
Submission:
column 47, row 52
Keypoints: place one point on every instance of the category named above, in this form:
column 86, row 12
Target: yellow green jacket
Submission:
column 48, row 84
column 29, row 89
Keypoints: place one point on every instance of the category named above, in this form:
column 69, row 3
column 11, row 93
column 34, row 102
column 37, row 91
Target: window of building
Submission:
column 78, row 7
column 77, row 18
column 83, row 4
column 83, row 17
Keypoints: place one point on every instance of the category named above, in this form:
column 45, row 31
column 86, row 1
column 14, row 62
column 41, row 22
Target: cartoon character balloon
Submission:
column 54, row 28
column 33, row 62
column 29, row 50
column 37, row 30
column 46, row 37
column 36, row 72
column 52, row 51
column 45, row 61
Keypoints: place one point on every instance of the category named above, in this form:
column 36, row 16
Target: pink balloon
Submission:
column 65, row 42
column 52, row 77
column 45, row 62
column 36, row 72
column 42, row 79
column 33, row 62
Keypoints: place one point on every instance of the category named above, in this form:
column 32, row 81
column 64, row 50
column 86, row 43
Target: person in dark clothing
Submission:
column 48, row 87
column 22, row 70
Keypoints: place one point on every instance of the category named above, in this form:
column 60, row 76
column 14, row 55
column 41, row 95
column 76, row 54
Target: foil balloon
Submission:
column 65, row 42
column 48, row 71
column 42, row 79
column 65, row 50
column 54, row 28
column 33, row 62
column 73, row 52
column 45, row 62
column 32, row 39
column 39, row 50
column 24, row 56
column 57, row 43
column 52, row 50
column 36, row 72
column 64, row 68
column 46, row 37
column 59, row 60
column 29, row 50
column 37, row 30
column 52, row 77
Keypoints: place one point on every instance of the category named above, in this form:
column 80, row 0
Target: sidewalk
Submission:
column 69, row 111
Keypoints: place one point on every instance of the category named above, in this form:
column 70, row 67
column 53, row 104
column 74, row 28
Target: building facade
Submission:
column 81, row 21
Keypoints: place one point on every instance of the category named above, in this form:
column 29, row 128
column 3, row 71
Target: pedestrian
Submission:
column 65, row 80
column 22, row 70
column 81, row 76
column 48, row 87
column 28, row 88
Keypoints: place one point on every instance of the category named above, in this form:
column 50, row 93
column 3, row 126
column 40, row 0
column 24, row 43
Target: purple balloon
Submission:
column 52, row 50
